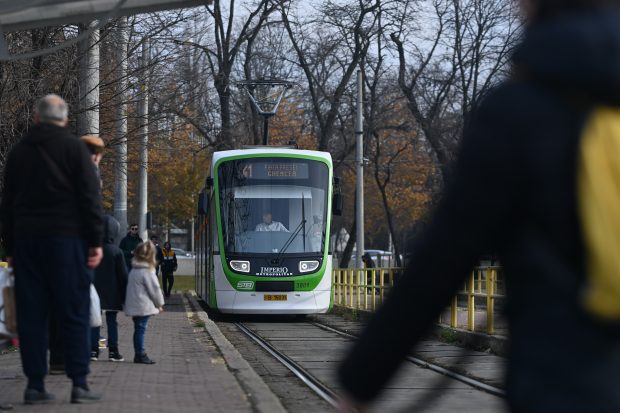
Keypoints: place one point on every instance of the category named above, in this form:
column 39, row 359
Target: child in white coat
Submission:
column 144, row 297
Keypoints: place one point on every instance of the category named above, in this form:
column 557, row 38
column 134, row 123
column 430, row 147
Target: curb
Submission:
column 260, row 395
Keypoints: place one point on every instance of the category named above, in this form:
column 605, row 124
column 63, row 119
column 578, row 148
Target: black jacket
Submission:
column 514, row 191
column 111, row 274
column 128, row 245
column 169, row 261
column 58, row 195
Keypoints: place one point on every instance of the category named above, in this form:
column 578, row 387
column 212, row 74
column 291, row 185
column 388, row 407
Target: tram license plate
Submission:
column 274, row 297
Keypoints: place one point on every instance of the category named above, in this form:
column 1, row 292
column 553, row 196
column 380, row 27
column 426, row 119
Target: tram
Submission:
column 263, row 232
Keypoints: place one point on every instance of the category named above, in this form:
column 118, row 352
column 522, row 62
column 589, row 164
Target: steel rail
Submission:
column 319, row 388
column 442, row 370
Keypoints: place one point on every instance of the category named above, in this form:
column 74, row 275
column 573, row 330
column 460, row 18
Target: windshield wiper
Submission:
column 288, row 242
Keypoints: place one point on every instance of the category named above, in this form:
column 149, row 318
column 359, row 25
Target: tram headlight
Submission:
column 240, row 266
column 307, row 266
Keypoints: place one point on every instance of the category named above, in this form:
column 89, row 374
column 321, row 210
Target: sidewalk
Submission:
column 197, row 370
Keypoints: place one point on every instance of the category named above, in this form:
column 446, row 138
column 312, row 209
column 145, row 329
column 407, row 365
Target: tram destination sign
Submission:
column 275, row 170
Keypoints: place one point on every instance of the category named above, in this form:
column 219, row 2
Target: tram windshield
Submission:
column 273, row 205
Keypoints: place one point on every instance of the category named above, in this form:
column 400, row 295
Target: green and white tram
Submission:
column 263, row 232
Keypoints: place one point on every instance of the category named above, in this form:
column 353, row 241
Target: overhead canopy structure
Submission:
column 29, row 14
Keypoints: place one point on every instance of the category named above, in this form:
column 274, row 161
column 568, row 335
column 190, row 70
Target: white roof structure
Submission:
column 29, row 14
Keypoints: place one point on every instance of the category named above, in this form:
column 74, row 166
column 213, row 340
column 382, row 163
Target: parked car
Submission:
column 379, row 257
column 181, row 253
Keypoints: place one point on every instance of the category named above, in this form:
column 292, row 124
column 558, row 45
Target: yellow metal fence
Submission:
column 473, row 308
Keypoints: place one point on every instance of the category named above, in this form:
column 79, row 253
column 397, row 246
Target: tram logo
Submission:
column 245, row 285
column 274, row 271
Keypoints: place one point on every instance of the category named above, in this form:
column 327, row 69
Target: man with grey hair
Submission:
column 51, row 109
column 52, row 225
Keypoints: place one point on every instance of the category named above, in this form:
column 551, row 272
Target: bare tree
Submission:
column 329, row 47
column 444, row 74
column 23, row 81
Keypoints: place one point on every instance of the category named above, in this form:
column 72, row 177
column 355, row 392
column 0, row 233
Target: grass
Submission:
column 448, row 336
column 183, row 283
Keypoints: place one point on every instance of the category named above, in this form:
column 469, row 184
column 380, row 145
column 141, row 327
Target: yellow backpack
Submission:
column 598, row 186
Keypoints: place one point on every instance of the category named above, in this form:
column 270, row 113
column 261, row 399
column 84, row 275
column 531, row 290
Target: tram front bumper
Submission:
column 291, row 302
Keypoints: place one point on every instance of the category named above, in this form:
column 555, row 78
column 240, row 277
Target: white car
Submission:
column 181, row 253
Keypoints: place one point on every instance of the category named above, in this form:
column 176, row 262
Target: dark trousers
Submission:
column 52, row 278
column 57, row 350
column 110, row 319
column 167, row 279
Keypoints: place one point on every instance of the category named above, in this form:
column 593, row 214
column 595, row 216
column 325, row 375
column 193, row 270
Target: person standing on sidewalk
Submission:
column 537, row 180
column 168, row 267
column 111, row 285
column 129, row 243
column 159, row 256
column 144, row 297
column 95, row 147
column 52, row 225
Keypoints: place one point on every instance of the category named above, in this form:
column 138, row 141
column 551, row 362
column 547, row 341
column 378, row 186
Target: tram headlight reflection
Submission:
column 307, row 266
column 240, row 266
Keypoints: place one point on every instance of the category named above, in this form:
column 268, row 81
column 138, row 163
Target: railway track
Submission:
column 312, row 350
column 309, row 380
column 434, row 367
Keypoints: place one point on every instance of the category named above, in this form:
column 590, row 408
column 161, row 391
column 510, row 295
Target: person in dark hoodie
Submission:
column 538, row 180
column 52, row 224
column 129, row 243
column 168, row 267
column 111, row 284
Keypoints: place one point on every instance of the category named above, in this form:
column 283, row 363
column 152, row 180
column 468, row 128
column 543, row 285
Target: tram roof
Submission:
column 299, row 153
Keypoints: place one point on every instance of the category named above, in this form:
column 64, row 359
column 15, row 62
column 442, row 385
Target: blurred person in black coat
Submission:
column 537, row 180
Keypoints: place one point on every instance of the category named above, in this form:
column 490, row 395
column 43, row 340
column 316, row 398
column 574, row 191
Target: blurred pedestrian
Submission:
column 129, row 243
column 159, row 255
column 370, row 268
column 168, row 267
column 96, row 147
column 111, row 285
column 52, row 226
column 538, row 180
column 144, row 297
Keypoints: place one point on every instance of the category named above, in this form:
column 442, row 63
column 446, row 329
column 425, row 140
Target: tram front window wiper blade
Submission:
column 288, row 242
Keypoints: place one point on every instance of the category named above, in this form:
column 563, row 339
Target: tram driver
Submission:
column 269, row 225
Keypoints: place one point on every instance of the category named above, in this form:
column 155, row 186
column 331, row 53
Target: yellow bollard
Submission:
column 471, row 303
column 454, row 319
column 359, row 288
column 491, row 302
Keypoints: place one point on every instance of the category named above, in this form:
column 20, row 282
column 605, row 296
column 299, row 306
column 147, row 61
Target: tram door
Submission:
column 211, row 239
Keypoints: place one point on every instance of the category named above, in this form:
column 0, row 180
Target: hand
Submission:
column 94, row 257
column 161, row 309
column 347, row 405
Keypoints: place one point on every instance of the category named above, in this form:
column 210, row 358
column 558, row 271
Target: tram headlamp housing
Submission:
column 240, row 266
column 308, row 266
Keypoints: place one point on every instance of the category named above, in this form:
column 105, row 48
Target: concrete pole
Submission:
column 120, row 126
column 359, row 161
column 88, row 80
column 192, row 235
column 143, row 118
